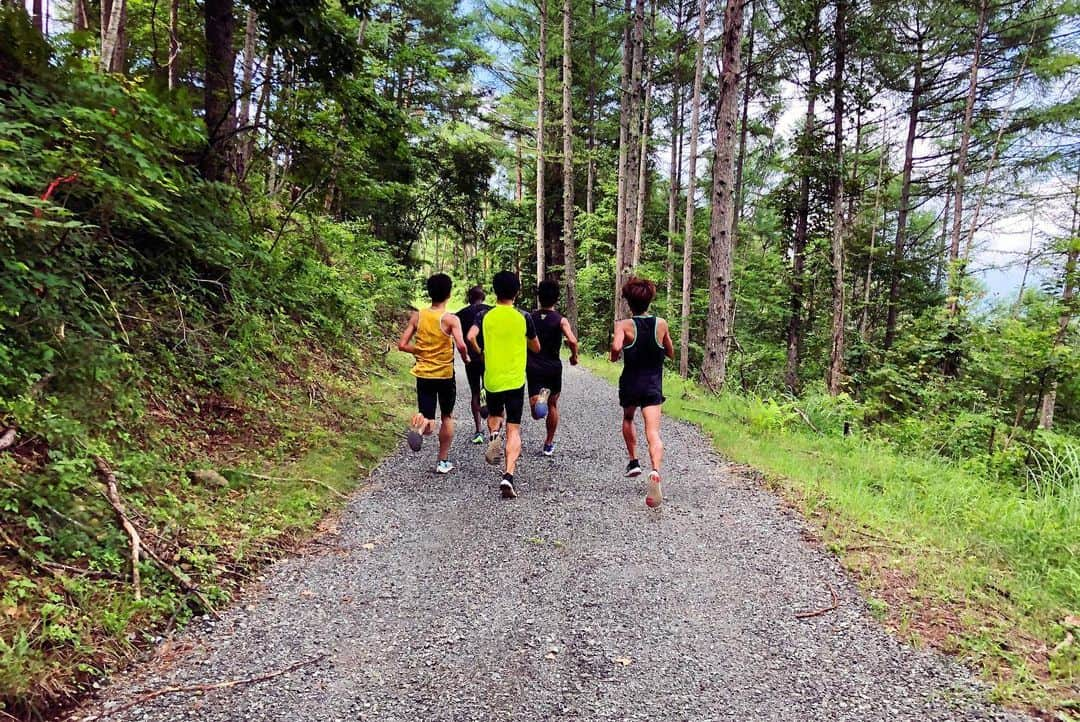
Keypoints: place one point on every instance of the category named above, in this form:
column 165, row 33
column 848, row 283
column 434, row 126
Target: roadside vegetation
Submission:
column 985, row 566
column 214, row 354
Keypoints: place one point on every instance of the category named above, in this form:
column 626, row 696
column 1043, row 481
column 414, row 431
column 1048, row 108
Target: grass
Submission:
column 289, row 445
column 980, row 569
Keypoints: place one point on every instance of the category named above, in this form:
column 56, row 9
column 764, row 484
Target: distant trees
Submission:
column 569, row 245
column 691, row 186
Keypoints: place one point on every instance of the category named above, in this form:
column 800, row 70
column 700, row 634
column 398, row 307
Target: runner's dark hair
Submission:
column 438, row 287
column 506, row 285
column 639, row 293
column 476, row 295
column 547, row 294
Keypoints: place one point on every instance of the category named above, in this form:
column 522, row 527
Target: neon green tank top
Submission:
column 504, row 349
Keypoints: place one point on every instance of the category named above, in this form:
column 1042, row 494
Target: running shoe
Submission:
column 444, row 467
column 494, row 449
column 415, row 437
column 479, row 438
column 540, row 410
column 549, row 450
column 655, row 497
column 633, row 469
column 506, row 486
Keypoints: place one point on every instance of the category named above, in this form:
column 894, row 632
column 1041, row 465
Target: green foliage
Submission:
column 154, row 319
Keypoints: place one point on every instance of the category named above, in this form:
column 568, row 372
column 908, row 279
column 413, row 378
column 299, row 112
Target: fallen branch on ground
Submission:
column 868, row 535
column 113, row 495
column 704, row 411
column 709, row 385
column 210, row 687
column 25, row 555
column 304, row 479
column 823, row 610
column 806, row 418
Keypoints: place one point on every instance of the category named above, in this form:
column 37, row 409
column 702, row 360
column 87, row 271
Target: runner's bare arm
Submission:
column 534, row 345
column 669, row 347
column 617, row 341
column 455, row 331
column 405, row 342
column 571, row 341
column 474, row 333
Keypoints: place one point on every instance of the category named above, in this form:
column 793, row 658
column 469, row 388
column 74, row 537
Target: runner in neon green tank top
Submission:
column 503, row 334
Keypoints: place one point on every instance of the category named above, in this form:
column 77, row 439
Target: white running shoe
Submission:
column 655, row 497
column 494, row 449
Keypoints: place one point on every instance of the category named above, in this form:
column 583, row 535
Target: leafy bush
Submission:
column 151, row 317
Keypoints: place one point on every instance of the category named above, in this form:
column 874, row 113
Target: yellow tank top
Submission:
column 434, row 348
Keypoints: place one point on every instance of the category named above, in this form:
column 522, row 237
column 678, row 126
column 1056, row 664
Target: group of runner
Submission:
column 507, row 351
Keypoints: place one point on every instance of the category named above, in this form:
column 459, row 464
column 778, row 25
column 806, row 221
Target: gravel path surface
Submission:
column 437, row 600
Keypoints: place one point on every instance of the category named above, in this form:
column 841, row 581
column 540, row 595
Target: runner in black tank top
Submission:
column 474, row 370
column 642, row 381
column 544, row 368
column 642, row 342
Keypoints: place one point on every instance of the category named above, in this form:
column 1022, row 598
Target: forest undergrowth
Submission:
column 217, row 363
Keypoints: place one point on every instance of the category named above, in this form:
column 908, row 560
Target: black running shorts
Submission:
column 511, row 403
column 550, row 379
column 430, row 392
column 640, row 397
column 474, row 372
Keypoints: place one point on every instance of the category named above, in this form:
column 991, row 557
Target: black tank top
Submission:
column 643, row 360
column 548, row 325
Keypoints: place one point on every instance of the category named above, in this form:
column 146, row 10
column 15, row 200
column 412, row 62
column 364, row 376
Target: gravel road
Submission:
column 437, row 600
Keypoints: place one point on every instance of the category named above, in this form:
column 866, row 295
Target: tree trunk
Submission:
column 619, row 305
column 864, row 319
column 37, row 16
column 1068, row 291
column 79, row 18
column 569, row 246
column 219, row 83
column 905, row 201
column 246, row 84
column 174, row 43
column 743, row 125
column 643, row 175
column 633, row 154
column 519, row 194
column 944, row 261
column 798, row 260
column 113, row 17
column 590, row 177
column 718, row 325
column 262, row 107
column 673, row 171
column 955, row 272
column 691, row 188
column 836, row 353
column 541, row 99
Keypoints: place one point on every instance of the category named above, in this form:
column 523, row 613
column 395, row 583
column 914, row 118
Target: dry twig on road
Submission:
column 144, row 697
column 823, row 610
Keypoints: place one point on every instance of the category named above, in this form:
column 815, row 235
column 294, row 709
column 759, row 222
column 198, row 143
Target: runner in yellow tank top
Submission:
column 430, row 336
column 502, row 335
